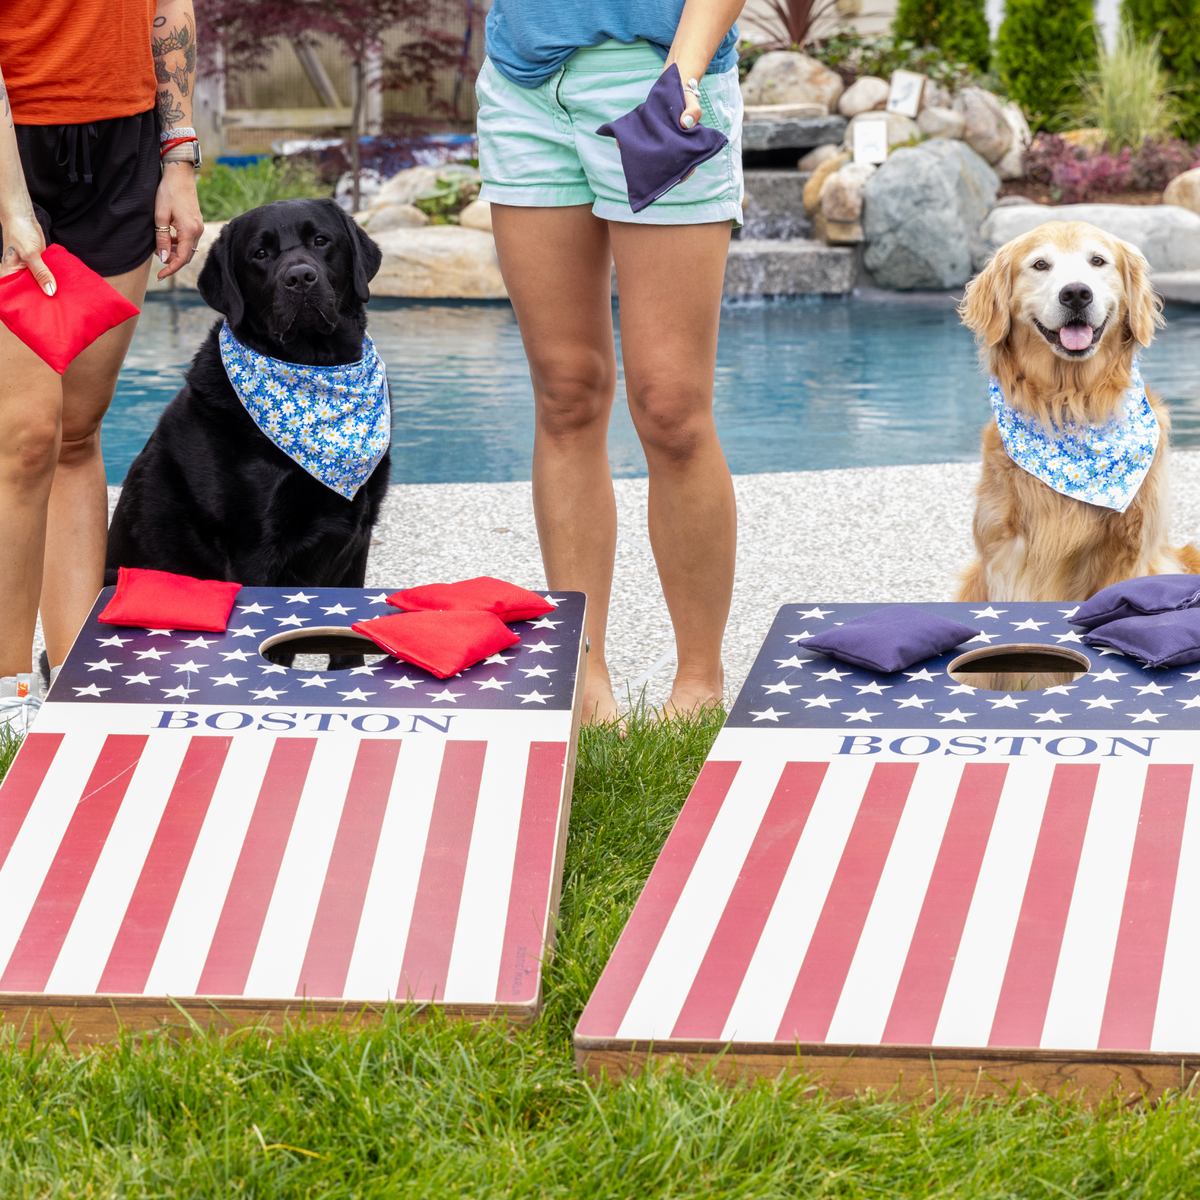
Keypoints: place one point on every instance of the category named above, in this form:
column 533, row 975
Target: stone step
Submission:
column 795, row 267
column 775, row 205
column 1178, row 287
column 799, row 134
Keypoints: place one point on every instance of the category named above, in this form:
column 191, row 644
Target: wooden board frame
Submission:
column 79, row 1019
column 781, row 828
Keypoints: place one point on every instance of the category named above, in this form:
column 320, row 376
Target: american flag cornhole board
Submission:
column 905, row 880
column 189, row 824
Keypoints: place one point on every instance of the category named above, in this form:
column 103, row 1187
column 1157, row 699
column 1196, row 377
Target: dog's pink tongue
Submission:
column 1075, row 337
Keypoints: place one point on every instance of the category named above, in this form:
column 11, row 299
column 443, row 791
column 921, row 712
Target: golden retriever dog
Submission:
column 1059, row 315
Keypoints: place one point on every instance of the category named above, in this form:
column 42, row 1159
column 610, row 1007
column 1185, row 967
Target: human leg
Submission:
column 30, row 400
column 77, row 521
column 670, row 279
column 556, row 264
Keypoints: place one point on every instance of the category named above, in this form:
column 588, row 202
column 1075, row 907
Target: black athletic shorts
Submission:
column 93, row 187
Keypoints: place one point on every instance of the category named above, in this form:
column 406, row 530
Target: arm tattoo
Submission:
column 170, row 111
column 7, row 106
column 175, row 56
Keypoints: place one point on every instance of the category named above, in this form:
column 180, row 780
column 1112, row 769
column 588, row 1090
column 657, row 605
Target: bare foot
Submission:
column 599, row 703
column 691, row 695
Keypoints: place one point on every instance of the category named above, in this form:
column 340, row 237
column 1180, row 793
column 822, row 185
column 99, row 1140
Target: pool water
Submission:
column 801, row 385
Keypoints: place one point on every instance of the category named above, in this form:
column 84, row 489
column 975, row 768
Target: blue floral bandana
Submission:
column 1098, row 464
column 335, row 422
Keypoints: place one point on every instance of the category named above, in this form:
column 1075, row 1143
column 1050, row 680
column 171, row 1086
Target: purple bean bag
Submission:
column 656, row 151
column 892, row 638
column 1137, row 598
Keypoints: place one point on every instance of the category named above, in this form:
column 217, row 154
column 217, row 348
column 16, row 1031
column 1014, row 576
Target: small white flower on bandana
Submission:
column 1102, row 465
column 335, row 422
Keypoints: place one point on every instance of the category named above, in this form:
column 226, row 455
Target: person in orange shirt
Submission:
column 97, row 153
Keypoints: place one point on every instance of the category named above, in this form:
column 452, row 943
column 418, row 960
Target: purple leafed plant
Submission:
column 1075, row 174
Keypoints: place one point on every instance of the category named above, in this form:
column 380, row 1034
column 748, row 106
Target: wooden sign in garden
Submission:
column 193, row 826
column 980, row 873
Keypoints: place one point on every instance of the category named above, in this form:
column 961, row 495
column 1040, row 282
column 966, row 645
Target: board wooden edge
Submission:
column 906, row 1072
column 83, row 1021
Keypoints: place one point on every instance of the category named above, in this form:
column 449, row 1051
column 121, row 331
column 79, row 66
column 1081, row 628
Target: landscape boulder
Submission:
column 1012, row 165
column 394, row 216
column 406, row 186
column 921, row 214
column 842, row 193
column 815, row 157
column 933, row 95
column 1168, row 235
column 816, row 181
column 900, row 129
column 476, row 215
column 1184, row 190
column 789, row 77
column 940, row 122
column 863, row 95
column 985, row 128
column 439, row 261
column 752, row 113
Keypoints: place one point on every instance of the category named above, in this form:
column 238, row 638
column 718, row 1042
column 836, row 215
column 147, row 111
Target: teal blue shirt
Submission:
column 528, row 40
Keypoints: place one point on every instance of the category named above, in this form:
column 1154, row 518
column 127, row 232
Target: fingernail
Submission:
column 687, row 121
column 49, row 289
column 163, row 255
column 692, row 83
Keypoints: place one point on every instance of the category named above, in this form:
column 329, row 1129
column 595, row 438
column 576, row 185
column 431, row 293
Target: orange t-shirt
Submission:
column 65, row 64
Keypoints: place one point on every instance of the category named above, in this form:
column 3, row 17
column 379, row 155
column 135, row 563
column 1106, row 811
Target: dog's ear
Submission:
column 985, row 306
column 218, row 285
column 1143, row 306
column 365, row 254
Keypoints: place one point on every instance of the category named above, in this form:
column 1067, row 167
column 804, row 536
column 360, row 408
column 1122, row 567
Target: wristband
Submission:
column 184, row 131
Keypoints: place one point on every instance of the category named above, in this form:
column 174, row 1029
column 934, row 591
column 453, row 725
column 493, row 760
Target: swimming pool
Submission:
column 804, row 384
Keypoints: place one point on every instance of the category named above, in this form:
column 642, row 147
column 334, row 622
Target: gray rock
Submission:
column 476, row 215
column 1013, row 201
column 440, row 261
column 789, row 268
column 1179, row 287
column 933, row 95
column 1169, row 236
column 940, row 122
column 985, row 128
column 863, row 95
column 789, row 77
column 1012, row 165
column 814, row 158
column 799, row 134
column 781, row 112
column 405, row 186
column 901, row 129
column 921, row 214
column 774, row 205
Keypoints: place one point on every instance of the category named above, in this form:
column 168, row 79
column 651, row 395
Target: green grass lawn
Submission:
column 439, row 1108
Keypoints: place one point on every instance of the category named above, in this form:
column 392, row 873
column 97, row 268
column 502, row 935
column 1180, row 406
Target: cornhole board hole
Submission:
column 192, row 825
column 909, row 881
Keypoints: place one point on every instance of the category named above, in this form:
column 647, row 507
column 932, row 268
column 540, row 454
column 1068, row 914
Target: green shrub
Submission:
column 1176, row 23
column 958, row 28
column 851, row 55
column 228, row 191
column 1042, row 49
column 1128, row 95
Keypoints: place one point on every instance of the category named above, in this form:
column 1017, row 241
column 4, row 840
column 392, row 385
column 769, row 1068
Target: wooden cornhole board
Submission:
column 189, row 825
column 898, row 880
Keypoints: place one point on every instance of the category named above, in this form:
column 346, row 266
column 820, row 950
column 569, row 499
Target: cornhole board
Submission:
column 903, row 881
column 191, row 828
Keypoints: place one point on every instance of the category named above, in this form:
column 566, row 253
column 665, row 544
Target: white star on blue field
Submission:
column 171, row 667
column 790, row 687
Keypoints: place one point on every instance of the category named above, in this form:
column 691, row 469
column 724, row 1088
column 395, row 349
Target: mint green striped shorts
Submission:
column 538, row 147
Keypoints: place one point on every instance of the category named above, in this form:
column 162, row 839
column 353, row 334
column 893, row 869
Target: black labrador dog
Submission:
column 212, row 496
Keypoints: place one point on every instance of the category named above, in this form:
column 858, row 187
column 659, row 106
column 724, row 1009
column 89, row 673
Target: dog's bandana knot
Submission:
column 1098, row 464
column 335, row 422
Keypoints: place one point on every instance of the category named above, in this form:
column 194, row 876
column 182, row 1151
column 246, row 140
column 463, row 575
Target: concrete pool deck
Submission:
column 872, row 534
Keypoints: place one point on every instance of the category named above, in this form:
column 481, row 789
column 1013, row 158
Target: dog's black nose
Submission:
column 301, row 275
column 1075, row 295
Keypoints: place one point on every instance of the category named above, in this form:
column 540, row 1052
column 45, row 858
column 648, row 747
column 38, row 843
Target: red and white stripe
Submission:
column 1020, row 902
column 363, row 868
